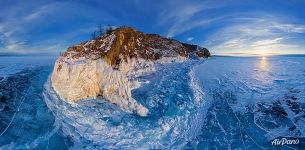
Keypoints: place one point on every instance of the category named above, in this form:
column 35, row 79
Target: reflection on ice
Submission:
column 262, row 70
column 253, row 101
column 263, row 63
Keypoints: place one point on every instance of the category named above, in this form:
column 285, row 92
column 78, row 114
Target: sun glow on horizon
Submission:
column 260, row 52
column 263, row 52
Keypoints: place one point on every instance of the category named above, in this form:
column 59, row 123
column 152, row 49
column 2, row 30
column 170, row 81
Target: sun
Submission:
column 263, row 52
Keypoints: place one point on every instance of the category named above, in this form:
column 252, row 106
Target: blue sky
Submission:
column 228, row 26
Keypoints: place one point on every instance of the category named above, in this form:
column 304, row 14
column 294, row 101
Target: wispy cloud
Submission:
column 11, row 28
column 15, row 45
column 267, row 42
column 294, row 28
column 180, row 16
column 190, row 39
column 256, row 35
column 234, row 43
column 18, row 29
column 37, row 13
column 222, row 26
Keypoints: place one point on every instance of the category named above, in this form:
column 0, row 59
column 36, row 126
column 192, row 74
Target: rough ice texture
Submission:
column 175, row 114
column 253, row 100
column 108, row 65
column 93, row 78
column 26, row 122
column 7, row 71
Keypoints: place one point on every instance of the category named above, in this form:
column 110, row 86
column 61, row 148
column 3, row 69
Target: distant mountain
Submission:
column 107, row 66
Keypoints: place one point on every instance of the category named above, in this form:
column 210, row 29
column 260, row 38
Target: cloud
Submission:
column 221, row 26
column 268, row 33
column 18, row 29
column 234, row 43
column 37, row 13
column 187, row 26
column 7, row 40
column 294, row 28
column 15, row 45
column 12, row 27
column 266, row 42
column 190, row 39
column 180, row 16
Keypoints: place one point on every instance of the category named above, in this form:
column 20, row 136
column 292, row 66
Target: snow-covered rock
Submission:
column 107, row 66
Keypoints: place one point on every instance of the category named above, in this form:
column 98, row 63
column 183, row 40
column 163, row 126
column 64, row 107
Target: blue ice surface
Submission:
column 25, row 120
column 253, row 100
column 245, row 102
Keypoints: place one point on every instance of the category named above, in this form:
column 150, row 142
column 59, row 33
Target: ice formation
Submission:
column 107, row 67
column 171, row 94
column 92, row 78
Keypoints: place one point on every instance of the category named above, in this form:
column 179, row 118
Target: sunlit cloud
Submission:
column 295, row 28
column 15, row 45
column 255, row 36
column 235, row 43
column 267, row 42
column 190, row 39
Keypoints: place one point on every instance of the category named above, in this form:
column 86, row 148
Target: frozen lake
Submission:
column 221, row 103
column 253, row 100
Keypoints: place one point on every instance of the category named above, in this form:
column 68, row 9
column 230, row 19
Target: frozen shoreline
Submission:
column 168, row 127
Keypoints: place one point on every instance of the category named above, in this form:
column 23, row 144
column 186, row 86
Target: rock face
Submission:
column 107, row 66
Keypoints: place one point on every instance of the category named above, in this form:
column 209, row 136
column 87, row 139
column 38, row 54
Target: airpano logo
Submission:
column 285, row 141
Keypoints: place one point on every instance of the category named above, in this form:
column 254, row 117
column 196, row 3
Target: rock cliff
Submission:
column 107, row 66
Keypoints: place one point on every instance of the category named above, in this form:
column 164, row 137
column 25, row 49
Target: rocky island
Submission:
column 107, row 66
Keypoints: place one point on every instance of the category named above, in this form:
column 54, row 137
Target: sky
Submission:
column 49, row 27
